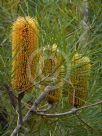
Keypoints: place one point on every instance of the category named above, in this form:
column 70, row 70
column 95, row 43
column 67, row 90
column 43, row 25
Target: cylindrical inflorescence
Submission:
column 24, row 43
column 51, row 71
column 78, row 89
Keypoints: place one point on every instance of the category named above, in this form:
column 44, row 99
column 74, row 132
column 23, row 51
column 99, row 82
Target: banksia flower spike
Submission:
column 51, row 70
column 24, row 43
column 78, row 89
column 49, row 65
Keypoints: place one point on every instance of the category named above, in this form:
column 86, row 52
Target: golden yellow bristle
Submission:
column 49, row 67
column 55, row 96
column 78, row 89
column 24, row 43
column 51, row 70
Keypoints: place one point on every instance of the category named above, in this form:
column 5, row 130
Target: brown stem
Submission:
column 33, row 109
column 72, row 111
column 13, row 98
column 19, row 109
column 20, row 96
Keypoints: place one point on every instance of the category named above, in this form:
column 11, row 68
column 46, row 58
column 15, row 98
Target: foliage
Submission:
column 59, row 22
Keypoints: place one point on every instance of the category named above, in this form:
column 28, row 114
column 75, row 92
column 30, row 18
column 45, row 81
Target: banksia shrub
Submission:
column 78, row 89
column 24, row 43
column 52, row 70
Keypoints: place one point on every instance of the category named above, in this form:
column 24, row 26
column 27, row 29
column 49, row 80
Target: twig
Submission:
column 72, row 111
column 19, row 110
column 16, row 103
column 19, row 114
column 32, row 109
column 37, row 102
column 13, row 98
column 14, row 133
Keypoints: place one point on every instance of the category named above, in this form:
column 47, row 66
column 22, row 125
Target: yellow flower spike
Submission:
column 56, row 95
column 78, row 89
column 24, row 43
column 51, row 68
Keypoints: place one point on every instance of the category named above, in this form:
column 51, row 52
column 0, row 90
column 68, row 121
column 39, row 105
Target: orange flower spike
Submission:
column 24, row 43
